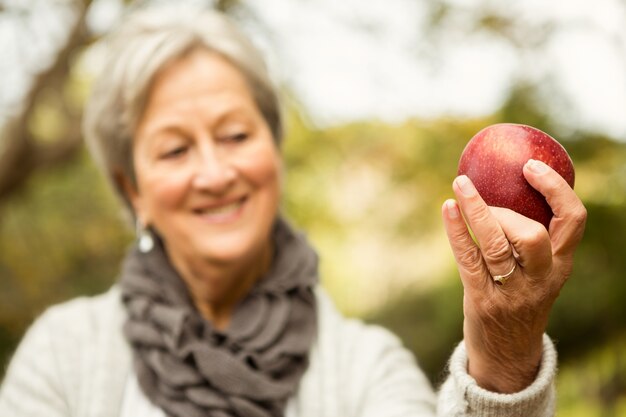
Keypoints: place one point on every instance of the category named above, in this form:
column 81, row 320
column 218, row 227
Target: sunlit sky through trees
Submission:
column 394, row 69
column 354, row 59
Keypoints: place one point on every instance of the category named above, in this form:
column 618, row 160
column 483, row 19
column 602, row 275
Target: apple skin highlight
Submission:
column 494, row 159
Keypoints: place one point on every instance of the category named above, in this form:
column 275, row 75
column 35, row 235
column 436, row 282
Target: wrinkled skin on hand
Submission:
column 504, row 324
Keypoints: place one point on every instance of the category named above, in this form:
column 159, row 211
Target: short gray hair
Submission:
column 147, row 41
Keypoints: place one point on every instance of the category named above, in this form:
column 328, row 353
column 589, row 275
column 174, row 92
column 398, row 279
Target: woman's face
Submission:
column 206, row 164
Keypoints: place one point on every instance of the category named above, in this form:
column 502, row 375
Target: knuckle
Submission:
column 479, row 213
column 534, row 235
column 579, row 216
column 459, row 236
column 470, row 259
column 497, row 250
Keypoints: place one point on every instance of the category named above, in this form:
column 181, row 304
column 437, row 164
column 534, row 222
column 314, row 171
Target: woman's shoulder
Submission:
column 72, row 360
column 83, row 324
column 88, row 314
column 79, row 334
column 98, row 304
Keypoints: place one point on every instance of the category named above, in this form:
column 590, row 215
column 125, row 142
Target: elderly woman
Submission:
column 218, row 311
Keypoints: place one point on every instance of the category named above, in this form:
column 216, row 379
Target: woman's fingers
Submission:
column 494, row 246
column 466, row 252
column 568, row 225
column 504, row 238
column 529, row 239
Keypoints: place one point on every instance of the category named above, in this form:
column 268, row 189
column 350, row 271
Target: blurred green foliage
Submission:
column 368, row 195
column 60, row 237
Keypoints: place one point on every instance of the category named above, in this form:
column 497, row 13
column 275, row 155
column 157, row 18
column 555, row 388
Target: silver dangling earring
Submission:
column 145, row 241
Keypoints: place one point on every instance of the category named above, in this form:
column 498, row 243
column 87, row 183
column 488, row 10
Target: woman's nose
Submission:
column 214, row 171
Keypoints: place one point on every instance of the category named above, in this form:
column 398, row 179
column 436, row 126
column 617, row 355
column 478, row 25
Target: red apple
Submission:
column 493, row 159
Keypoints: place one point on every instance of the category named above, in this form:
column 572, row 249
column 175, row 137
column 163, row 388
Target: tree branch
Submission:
column 22, row 155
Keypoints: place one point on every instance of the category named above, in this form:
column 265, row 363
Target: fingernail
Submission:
column 453, row 209
column 536, row 166
column 466, row 186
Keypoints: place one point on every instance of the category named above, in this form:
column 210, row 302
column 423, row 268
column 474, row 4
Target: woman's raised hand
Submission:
column 504, row 323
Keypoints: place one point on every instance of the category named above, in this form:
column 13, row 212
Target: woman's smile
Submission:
column 222, row 212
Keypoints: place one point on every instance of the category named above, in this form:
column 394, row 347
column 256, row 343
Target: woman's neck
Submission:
column 216, row 288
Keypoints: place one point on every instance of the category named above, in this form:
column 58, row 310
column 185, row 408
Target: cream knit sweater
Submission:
column 74, row 362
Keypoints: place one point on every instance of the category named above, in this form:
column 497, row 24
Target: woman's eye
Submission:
column 174, row 152
column 236, row 137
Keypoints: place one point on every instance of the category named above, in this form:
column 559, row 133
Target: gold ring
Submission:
column 502, row 279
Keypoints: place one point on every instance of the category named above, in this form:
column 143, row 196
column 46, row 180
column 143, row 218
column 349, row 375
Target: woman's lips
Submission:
column 222, row 213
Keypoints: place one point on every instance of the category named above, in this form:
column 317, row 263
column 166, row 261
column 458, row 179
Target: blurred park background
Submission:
column 380, row 99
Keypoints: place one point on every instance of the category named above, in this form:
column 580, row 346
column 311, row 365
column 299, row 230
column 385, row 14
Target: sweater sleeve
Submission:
column 32, row 386
column 460, row 395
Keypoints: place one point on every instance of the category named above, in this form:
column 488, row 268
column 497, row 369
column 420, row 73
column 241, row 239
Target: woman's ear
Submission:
column 129, row 188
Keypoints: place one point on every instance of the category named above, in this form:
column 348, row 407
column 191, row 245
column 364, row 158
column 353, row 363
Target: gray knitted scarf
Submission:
column 190, row 369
